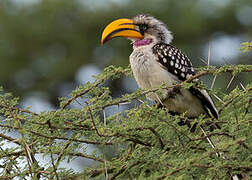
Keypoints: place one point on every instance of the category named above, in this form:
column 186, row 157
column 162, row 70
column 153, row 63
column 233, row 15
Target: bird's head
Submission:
column 141, row 29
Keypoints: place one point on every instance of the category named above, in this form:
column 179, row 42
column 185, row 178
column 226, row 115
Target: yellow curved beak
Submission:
column 120, row 28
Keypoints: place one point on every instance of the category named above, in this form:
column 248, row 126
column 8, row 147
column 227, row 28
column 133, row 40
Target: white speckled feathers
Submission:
column 174, row 60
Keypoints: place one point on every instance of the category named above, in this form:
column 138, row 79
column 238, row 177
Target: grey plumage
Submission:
column 154, row 27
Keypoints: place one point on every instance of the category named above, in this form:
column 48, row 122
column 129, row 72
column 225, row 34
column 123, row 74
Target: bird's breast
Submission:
column 148, row 71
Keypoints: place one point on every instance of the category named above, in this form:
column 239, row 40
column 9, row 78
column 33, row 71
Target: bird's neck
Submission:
column 142, row 42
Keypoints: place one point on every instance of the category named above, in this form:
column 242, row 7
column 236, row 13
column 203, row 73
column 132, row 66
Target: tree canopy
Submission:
column 144, row 142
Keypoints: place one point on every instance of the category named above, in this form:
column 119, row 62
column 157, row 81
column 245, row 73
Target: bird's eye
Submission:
column 143, row 28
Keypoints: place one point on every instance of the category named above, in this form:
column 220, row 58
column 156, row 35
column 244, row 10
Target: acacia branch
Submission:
column 71, row 139
column 18, row 109
column 124, row 168
column 16, row 141
column 214, row 134
column 229, row 69
column 232, row 99
column 69, row 101
column 76, row 154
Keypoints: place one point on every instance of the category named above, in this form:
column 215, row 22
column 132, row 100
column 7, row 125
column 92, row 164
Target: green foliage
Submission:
column 246, row 46
column 147, row 142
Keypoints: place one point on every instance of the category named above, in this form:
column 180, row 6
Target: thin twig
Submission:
column 209, row 55
column 93, row 121
column 203, row 60
column 106, row 171
column 125, row 168
column 104, row 117
column 209, row 140
column 54, row 167
column 70, row 139
column 242, row 86
column 230, row 82
column 212, row 85
column 218, row 98
column 83, row 93
column 18, row 109
column 61, row 153
column 232, row 99
column 16, row 141
column 158, row 136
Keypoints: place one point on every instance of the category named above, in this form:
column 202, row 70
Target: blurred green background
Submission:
column 48, row 47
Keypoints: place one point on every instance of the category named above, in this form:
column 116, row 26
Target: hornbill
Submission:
column 154, row 61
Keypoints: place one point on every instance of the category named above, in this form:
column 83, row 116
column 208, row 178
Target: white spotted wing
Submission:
column 174, row 60
column 178, row 64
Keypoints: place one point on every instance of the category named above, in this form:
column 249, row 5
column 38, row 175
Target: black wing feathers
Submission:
column 174, row 60
column 180, row 65
column 205, row 101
